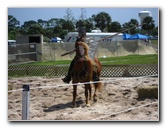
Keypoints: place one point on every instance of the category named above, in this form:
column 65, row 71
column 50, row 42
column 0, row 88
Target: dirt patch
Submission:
column 118, row 100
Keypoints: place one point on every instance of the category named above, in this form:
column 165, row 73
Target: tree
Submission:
column 102, row 20
column 114, row 27
column 12, row 22
column 69, row 26
column 89, row 25
column 31, row 27
column 148, row 24
column 13, row 27
column 70, row 21
column 35, row 29
column 13, row 34
column 155, row 31
column 130, row 24
column 57, row 30
column 85, row 23
column 49, row 33
column 80, row 23
column 52, row 22
column 64, row 28
column 69, row 15
column 83, row 14
column 42, row 23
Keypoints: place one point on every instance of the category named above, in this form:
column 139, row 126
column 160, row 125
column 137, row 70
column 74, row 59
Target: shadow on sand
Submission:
column 62, row 106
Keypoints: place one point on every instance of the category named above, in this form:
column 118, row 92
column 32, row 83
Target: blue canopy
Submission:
column 134, row 37
column 126, row 36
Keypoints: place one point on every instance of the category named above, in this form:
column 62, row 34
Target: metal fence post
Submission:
column 25, row 102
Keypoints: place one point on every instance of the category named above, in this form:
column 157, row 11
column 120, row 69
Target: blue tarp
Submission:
column 134, row 37
column 126, row 36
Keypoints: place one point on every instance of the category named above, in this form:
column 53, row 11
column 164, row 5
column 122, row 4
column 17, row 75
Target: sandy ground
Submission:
column 118, row 101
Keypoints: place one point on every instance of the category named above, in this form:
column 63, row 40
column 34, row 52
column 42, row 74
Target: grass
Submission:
column 62, row 62
column 130, row 59
column 121, row 60
column 155, row 42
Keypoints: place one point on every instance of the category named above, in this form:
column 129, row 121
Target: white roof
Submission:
column 96, row 31
column 103, row 34
column 97, row 34
column 58, row 38
column 145, row 11
column 11, row 40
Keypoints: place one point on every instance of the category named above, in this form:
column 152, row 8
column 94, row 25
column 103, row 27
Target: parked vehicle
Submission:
column 12, row 43
column 56, row 40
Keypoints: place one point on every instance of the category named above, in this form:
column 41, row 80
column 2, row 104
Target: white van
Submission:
column 12, row 43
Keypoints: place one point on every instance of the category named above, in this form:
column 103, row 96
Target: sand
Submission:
column 118, row 101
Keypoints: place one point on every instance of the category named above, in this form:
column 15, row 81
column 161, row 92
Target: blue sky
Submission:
column 121, row 15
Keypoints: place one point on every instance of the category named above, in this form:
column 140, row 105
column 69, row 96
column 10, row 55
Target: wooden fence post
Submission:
column 25, row 102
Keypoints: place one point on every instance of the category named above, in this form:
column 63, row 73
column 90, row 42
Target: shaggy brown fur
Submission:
column 83, row 72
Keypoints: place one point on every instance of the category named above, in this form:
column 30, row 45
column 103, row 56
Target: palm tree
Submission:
column 114, row 27
column 148, row 24
column 102, row 20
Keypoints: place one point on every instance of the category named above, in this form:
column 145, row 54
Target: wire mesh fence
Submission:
column 107, row 70
column 22, row 53
column 52, row 51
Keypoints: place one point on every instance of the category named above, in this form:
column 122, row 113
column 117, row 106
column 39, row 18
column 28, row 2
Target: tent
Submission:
column 126, row 36
column 134, row 37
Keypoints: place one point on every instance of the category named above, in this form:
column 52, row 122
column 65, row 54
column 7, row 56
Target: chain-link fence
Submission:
column 20, row 53
column 52, row 51
column 126, row 47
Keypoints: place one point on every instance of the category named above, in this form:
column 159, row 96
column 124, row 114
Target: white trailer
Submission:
column 72, row 36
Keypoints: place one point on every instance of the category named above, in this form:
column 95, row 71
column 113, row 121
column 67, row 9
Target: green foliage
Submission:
column 102, row 20
column 58, row 27
column 148, row 24
column 155, row 31
column 12, row 22
column 114, row 27
column 80, row 23
column 13, row 27
column 131, row 23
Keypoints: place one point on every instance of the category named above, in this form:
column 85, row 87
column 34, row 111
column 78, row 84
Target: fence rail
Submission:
column 107, row 71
